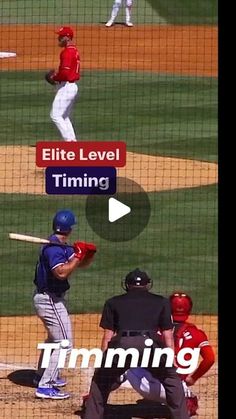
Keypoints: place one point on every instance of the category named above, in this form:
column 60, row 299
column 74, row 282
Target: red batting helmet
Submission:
column 181, row 306
column 65, row 31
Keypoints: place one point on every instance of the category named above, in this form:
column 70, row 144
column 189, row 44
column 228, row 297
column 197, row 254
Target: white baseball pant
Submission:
column 147, row 386
column 62, row 107
column 116, row 7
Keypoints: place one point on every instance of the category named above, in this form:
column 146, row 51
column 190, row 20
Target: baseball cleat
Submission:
column 59, row 382
column 109, row 23
column 50, row 393
column 130, row 24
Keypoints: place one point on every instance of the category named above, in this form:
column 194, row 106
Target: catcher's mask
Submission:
column 63, row 222
column 181, row 306
column 136, row 279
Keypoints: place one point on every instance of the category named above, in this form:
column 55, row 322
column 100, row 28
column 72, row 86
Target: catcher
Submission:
column 185, row 335
column 55, row 264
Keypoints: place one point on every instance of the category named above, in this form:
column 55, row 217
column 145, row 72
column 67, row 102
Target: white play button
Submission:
column 121, row 216
column 117, row 210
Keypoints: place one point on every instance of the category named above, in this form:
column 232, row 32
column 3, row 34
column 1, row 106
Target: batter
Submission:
column 55, row 264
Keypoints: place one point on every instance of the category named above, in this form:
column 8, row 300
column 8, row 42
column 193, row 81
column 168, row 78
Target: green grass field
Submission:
column 97, row 11
column 186, row 12
column 155, row 114
column 178, row 248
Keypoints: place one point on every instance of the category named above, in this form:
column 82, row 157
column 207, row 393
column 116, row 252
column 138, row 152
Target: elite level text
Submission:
column 81, row 154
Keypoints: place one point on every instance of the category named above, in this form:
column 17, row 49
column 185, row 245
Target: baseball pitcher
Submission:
column 65, row 80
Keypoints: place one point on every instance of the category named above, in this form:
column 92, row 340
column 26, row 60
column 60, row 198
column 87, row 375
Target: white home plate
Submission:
column 7, row 54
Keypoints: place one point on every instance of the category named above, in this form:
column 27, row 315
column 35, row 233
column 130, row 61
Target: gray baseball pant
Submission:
column 52, row 310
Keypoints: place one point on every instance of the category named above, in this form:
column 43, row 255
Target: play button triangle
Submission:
column 117, row 210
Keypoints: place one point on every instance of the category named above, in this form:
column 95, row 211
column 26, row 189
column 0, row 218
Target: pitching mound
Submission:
column 155, row 173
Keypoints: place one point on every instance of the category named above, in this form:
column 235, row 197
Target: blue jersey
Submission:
column 50, row 257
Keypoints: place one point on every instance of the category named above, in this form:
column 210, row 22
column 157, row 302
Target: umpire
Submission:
column 128, row 320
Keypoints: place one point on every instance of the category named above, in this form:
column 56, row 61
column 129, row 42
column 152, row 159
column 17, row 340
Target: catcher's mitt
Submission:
column 48, row 77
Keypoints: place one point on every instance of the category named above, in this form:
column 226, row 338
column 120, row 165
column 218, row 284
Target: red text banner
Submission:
column 81, row 153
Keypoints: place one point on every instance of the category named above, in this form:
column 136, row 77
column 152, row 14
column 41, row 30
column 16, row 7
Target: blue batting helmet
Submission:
column 63, row 221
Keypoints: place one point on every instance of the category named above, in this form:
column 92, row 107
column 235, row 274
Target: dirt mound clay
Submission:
column 19, row 174
column 18, row 356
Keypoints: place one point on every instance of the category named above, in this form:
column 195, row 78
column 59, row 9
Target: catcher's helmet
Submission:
column 136, row 278
column 63, row 221
column 181, row 306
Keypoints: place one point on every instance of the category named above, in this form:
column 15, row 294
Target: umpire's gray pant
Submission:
column 54, row 315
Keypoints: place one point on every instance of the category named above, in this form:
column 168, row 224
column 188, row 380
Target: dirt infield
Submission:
column 18, row 353
column 182, row 50
column 185, row 50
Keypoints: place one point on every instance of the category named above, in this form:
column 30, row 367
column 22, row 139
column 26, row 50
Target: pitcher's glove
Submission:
column 48, row 77
column 84, row 251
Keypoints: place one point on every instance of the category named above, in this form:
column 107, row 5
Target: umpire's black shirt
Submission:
column 138, row 309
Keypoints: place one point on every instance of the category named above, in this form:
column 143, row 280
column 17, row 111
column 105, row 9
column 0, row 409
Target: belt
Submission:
column 57, row 294
column 67, row 81
column 136, row 333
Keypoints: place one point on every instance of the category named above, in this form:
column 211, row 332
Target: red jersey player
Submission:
column 66, row 77
column 186, row 335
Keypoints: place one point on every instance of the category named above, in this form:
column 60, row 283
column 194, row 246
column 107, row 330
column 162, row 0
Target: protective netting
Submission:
column 149, row 78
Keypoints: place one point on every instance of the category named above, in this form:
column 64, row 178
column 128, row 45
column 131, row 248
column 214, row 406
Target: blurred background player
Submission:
column 186, row 335
column 115, row 10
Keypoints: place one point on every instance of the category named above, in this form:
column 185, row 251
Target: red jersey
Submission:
column 187, row 335
column 69, row 69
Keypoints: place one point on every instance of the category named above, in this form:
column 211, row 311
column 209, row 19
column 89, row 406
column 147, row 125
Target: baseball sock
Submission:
column 128, row 13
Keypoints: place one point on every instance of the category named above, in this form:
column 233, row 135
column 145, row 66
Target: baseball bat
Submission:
column 32, row 239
